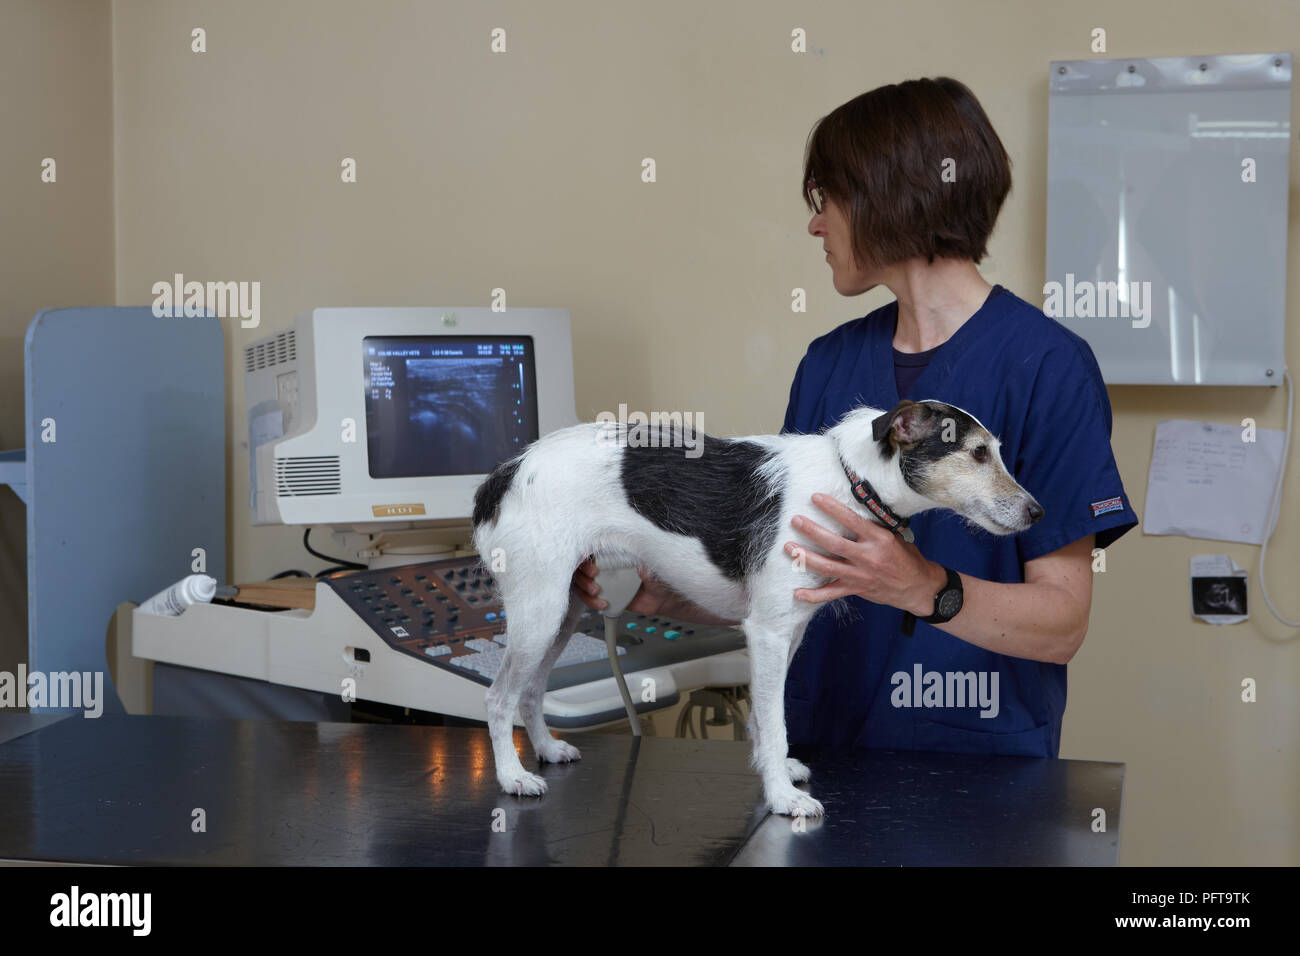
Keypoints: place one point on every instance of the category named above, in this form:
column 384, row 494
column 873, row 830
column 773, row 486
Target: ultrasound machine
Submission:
column 380, row 423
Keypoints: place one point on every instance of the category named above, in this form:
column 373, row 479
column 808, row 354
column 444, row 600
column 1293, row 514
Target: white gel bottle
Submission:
column 195, row 589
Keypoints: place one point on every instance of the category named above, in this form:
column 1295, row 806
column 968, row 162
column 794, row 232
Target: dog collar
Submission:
column 865, row 494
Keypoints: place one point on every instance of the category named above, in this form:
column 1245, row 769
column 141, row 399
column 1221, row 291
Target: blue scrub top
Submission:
column 1034, row 384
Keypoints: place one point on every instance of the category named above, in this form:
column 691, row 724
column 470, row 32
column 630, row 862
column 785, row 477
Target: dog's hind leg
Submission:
column 549, row 748
column 531, row 632
column 768, row 655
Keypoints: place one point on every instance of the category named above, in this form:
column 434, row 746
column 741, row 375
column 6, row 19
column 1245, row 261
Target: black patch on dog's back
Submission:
column 487, row 499
column 718, row 496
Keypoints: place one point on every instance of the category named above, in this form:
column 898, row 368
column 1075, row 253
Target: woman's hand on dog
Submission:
column 651, row 598
column 877, row 566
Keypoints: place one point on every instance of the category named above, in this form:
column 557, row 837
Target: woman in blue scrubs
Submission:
column 905, row 183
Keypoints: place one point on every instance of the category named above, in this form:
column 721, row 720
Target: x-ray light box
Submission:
column 1167, row 215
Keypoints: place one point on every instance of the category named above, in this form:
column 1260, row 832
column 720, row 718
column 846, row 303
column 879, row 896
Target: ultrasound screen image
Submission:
column 447, row 405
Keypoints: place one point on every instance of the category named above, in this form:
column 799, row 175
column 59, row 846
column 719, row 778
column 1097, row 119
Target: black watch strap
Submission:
column 938, row 617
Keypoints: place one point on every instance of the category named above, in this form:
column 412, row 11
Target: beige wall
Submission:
column 521, row 171
column 56, row 239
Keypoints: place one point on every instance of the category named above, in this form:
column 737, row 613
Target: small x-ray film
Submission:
column 1218, row 589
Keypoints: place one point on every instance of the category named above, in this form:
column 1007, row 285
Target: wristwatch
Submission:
column 946, row 604
column 948, row 601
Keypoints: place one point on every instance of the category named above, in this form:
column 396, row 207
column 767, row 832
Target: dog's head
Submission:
column 948, row 457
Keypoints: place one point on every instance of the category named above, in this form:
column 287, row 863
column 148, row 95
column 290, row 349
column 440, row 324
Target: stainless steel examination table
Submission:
column 125, row 790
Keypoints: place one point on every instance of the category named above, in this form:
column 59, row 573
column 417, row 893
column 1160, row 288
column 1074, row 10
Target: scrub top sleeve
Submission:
column 1065, row 458
column 791, row 409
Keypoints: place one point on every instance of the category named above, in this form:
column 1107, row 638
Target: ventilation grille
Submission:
column 297, row 477
column 277, row 350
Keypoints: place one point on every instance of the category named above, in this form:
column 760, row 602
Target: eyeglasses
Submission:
column 816, row 195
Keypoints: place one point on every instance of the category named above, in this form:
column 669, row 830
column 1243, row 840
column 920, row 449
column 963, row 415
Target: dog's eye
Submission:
column 980, row 453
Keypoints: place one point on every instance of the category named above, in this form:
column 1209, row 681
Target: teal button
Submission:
column 672, row 635
column 631, row 625
column 649, row 630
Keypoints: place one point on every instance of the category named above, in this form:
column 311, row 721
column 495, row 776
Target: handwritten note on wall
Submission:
column 1207, row 482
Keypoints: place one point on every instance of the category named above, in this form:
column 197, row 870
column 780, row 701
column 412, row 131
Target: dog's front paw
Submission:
column 557, row 751
column 797, row 769
column 522, row 784
column 794, row 803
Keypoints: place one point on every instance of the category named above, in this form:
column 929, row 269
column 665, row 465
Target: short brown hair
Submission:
column 881, row 156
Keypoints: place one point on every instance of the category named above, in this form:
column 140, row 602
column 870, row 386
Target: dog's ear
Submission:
column 905, row 423
column 880, row 424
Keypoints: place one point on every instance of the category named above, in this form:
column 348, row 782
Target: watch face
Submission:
column 949, row 603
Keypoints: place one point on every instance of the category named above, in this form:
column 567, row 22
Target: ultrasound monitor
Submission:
column 383, row 420
column 448, row 405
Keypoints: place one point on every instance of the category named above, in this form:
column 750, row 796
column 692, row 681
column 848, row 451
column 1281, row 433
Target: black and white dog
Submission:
column 712, row 528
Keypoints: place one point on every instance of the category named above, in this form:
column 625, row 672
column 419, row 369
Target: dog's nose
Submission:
column 1034, row 511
